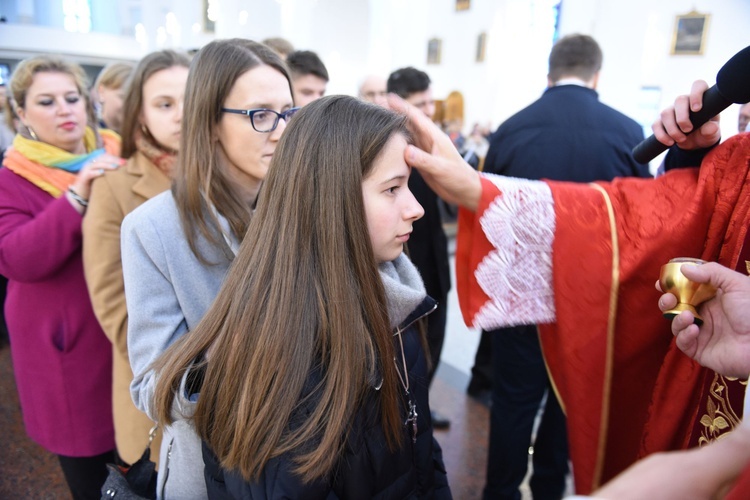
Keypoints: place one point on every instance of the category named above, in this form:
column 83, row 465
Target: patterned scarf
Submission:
column 53, row 169
column 163, row 158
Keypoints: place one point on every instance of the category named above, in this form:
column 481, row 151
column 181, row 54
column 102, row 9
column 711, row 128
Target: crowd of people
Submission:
column 207, row 256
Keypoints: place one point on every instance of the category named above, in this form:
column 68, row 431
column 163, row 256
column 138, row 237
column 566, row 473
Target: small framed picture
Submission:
column 689, row 37
column 463, row 4
column 434, row 47
column 481, row 46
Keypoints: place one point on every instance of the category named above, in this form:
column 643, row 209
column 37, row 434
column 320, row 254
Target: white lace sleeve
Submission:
column 517, row 274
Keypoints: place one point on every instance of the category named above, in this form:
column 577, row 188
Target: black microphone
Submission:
column 732, row 87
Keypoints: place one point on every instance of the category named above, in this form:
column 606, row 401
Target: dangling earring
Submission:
column 32, row 133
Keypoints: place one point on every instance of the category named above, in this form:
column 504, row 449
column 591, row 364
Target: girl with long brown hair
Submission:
column 177, row 247
column 308, row 369
column 150, row 140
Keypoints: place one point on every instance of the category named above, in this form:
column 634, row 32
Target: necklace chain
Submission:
column 404, row 383
column 411, row 418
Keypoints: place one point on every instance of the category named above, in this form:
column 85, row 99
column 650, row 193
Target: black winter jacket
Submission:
column 367, row 469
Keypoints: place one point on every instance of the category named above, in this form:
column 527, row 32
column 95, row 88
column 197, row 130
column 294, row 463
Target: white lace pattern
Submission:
column 517, row 274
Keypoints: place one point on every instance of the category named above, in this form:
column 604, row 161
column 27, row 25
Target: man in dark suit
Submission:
column 567, row 134
column 428, row 245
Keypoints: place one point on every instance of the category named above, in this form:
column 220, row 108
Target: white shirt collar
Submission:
column 571, row 81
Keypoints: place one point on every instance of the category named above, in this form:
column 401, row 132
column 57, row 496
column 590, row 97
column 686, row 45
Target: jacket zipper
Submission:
column 407, row 325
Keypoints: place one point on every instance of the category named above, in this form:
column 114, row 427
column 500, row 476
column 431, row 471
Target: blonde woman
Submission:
column 61, row 358
column 110, row 93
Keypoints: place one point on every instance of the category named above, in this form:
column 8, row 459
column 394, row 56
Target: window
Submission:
column 77, row 16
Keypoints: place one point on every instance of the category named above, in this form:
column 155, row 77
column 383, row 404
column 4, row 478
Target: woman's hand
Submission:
column 93, row 169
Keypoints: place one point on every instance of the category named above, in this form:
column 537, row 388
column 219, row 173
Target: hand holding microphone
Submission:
column 732, row 86
column 674, row 126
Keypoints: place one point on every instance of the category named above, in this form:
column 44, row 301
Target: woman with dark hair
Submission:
column 150, row 141
column 308, row 369
column 177, row 247
column 61, row 359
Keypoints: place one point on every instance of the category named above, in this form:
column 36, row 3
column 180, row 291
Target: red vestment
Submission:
column 625, row 387
column 740, row 490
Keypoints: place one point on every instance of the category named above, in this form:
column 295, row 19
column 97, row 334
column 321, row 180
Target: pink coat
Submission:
column 61, row 358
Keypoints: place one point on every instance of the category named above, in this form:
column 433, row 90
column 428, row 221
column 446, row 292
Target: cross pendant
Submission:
column 412, row 418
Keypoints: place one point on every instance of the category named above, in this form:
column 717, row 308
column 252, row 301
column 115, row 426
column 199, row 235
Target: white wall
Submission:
column 515, row 68
column 19, row 41
column 357, row 37
column 636, row 37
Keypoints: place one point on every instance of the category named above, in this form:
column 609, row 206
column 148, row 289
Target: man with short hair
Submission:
column 414, row 86
column 565, row 135
column 428, row 245
column 373, row 89
column 309, row 76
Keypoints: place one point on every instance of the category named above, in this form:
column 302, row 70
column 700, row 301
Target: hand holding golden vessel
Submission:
column 689, row 293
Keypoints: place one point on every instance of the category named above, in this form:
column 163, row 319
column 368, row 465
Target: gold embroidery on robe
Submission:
column 720, row 417
column 747, row 266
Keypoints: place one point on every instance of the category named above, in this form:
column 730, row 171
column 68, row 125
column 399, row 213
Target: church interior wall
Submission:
column 358, row 37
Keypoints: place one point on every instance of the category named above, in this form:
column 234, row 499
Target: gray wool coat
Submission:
column 167, row 290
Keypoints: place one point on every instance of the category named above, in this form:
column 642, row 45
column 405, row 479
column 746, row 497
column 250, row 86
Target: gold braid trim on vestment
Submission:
column 609, row 357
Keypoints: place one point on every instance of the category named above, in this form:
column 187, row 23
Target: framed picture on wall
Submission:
column 689, row 35
column 463, row 4
column 481, row 46
column 434, row 47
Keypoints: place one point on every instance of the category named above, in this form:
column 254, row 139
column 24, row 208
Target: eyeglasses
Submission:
column 264, row 120
column 372, row 94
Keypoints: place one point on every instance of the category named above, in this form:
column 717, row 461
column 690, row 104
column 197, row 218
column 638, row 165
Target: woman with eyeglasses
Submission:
column 177, row 247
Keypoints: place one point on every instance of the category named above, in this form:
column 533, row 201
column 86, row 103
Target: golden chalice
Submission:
column 689, row 293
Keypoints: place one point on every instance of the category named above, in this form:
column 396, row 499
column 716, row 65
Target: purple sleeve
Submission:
column 37, row 236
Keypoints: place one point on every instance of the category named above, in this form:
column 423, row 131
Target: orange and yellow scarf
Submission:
column 53, row 169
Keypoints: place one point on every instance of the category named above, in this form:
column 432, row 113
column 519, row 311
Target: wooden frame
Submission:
column 481, row 47
column 463, row 4
column 434, row 48
column 689, row 36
